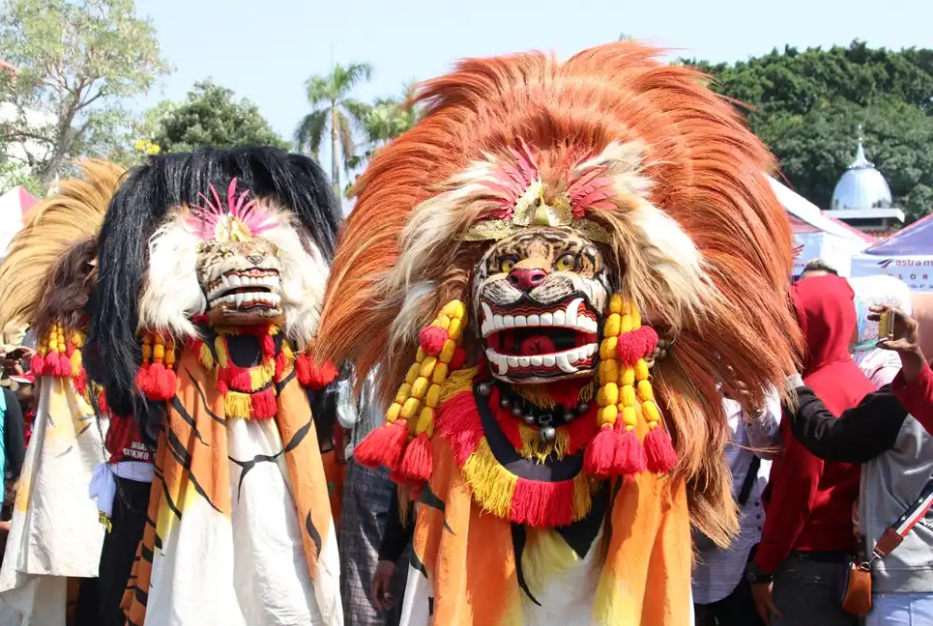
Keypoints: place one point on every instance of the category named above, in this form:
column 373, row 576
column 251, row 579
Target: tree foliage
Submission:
column 333, row 112
column 77, row 60
column 208, row 117
column 807, row 107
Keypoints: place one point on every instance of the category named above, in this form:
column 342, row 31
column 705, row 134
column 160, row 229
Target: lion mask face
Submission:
column 539, row 297
column 240, row 280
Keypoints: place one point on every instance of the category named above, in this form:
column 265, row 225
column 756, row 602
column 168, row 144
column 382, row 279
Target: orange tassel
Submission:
column 418, row 463
column 659, row 450
column 385, row 446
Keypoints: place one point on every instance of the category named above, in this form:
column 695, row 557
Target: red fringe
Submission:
column 432, row 339
column 268, row 346
column 156, row 381
column 458, row 359
column 543, row 504
column 385, row 446
column 582, row 430
column 80, row 382
column 237, row 378
column 631, row 458
column 263, row 405
column 280, row 363
column 459, row 424
column 312, row 375
column 38, row 365
column 659, row 450
column 418, row 464
column 602, row 456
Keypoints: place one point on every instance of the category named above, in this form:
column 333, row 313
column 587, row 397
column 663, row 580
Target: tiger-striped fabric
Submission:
column 464, row 567
column 55, row 531
column 240, row 531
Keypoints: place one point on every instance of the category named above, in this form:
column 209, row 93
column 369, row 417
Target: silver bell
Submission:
column 485, row 389
column 548, row 434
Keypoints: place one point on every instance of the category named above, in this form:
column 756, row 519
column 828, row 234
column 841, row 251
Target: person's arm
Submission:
column 792, row 496
column 14, row 435
column 858, row 435
column 396, row 535
column 916, row 395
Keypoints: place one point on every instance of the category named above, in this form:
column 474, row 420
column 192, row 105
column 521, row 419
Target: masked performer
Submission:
column 46, row 281
column 212, row 271
column 510, row 264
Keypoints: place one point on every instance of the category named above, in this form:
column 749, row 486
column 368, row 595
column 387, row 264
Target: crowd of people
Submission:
column 553, row 352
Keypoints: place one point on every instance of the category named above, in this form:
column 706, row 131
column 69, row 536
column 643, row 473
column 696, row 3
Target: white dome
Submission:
column 861, row 186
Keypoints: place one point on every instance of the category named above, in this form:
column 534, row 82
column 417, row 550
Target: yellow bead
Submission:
column 410, row 407
column 455, row 330
column 636, row 317
column 627, row 324
column 427, row 366
column 419, row 355
column 440, row 373
column 425, row 419
column 393, row 413
column 611, row 392
column 652, row 414
column 158, row 352
column 420, row 388
column 645, row 392
column 615, row 303
column 629, row 416
column 628, row 377
column 147, row 340
column 609, row 371
column 607, row 350
column 159, row 340
column 628, row 396
column 454, row 309
column 641, row 370
column 412, row 374
column 447, row 352
column 442, row 321
column 608, row 415
column 404, row 393
column 434, row 396
column 613, row 325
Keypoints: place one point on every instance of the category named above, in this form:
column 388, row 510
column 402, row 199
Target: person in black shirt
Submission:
column 395, row 538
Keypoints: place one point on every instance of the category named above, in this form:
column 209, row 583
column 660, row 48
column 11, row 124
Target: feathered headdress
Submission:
column 55, row 226
column 627, row 151
column 148, row 248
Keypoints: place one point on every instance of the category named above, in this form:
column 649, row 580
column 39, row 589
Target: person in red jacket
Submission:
column 808, row 536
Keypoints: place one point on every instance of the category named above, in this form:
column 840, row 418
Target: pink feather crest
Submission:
column 591, row 190
column 510, row 179
column 233, row 220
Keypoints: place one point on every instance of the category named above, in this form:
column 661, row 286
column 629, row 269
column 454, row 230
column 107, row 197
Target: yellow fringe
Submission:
column 236, row 404
column 533, row 447
column 583, row 489
column 76, row 361
column 493, row 485
column 460, row 380
column 262, row 375
column 206, row 357
column 539, row 395
column 220, row 347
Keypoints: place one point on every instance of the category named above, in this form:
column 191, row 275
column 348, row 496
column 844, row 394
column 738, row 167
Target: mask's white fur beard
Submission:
column 172, row 294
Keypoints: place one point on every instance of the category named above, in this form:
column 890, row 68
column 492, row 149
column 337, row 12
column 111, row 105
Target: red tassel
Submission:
column 80, row 382
column 543, row 504
column 630, row 457
column 38, row 365
column 310, row 374
column 602, row 455
column 156, row 381
column 238, row 378
column 651, row 339
column 458, row 359
column 263, row 404
column 383, row 446
column 432, row 339
column 659, row 449
column 458, row 422
column 418, row 464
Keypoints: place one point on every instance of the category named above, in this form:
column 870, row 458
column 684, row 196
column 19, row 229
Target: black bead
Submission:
column 505, row 403
column 569, row 416
column 485, row 389
column 516, row 411
column 582, row 407
column 528, row 419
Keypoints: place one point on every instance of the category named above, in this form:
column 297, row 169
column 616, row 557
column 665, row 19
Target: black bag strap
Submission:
column 751, row 477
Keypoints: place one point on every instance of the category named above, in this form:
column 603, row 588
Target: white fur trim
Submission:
column 172, row 294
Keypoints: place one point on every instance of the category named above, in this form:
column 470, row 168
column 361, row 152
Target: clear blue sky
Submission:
column 265, row 49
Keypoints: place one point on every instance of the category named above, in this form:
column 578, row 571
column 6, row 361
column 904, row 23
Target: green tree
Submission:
column 806, row 106
column 333, row 110
column 77, row 60
column 208, row 117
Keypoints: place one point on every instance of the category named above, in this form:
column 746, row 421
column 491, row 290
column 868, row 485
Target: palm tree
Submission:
column 386, row 119
column 333, row 109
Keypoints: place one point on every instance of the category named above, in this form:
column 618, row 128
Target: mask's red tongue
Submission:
column 536, row 344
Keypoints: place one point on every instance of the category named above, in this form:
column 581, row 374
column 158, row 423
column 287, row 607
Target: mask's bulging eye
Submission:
column 227, row 254
column 567, row 262
column 506, row 265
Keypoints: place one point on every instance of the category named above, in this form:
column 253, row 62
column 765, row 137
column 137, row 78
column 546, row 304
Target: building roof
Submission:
column 861, row 186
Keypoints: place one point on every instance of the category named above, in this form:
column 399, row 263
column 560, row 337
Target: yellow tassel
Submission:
column 236, row 404
column 493, row 485
column 206, row 357
column 220, row 348
column 582, row 496
column 76, row 362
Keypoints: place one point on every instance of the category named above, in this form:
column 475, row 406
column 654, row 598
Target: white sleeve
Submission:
column 419, row 594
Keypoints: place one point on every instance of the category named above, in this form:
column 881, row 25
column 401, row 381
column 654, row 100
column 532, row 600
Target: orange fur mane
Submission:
column 706, row 172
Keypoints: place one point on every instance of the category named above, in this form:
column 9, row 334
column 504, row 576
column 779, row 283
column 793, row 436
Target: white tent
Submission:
column 906, row 255
column 13, row 206
column 819, row 236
